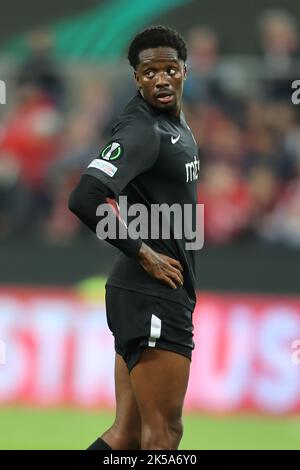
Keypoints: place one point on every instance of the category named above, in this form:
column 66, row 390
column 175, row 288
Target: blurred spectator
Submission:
column 283, row 223
column 264, row 190
column 39, row 69
column 227, row 203
column 30, row 142
column 211, row 81
column 203, row 85
column 223, row 143
column 80, row 144
column 78, row 148
column 15, row 199
column 266, row 129
column 281, row 51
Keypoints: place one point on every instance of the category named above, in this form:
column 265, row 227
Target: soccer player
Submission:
column 152, row 159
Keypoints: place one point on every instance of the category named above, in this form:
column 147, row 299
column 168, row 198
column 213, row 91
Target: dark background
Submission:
column 231, row 18
column 244, row 266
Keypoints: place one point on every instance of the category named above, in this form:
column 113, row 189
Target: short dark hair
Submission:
column 156, row 36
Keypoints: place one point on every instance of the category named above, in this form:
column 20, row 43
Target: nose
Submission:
column 162, row 80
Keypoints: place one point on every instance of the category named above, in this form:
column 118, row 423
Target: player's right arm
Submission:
column 133, row 149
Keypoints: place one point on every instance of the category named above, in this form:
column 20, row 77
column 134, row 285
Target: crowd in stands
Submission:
column 245, row 124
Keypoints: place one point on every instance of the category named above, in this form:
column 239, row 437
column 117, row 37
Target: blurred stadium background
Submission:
column 66, row 78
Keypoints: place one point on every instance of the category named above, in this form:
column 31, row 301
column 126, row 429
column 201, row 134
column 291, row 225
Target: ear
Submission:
column 184, row 72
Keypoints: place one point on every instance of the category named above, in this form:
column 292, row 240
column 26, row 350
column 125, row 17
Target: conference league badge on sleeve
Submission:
column 111, row 152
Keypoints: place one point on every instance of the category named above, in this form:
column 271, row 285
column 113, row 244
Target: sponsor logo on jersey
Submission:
column 112, row 151
column 192, row 170
column 175, row 139
column 106, row 167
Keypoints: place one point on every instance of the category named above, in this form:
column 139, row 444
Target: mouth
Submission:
column 165, row 97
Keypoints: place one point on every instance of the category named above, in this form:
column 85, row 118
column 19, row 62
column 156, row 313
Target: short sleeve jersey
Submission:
column 152, row 159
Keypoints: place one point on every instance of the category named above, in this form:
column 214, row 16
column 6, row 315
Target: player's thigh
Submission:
column 127, row 411
column 159, row 382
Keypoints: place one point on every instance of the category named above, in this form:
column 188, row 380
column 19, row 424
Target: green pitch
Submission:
column 67, row 428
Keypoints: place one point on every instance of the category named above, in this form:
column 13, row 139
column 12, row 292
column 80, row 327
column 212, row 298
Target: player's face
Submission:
column 159, row 76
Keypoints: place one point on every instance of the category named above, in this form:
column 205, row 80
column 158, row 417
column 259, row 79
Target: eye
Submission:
column 171, row 71
column 149, row 73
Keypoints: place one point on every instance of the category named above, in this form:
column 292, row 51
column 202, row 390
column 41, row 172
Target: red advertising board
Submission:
column 56, row 348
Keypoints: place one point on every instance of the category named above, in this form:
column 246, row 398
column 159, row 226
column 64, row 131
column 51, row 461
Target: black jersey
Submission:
column 152, row 158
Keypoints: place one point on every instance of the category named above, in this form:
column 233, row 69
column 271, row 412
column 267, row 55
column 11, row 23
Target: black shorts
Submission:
column 140, row 321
